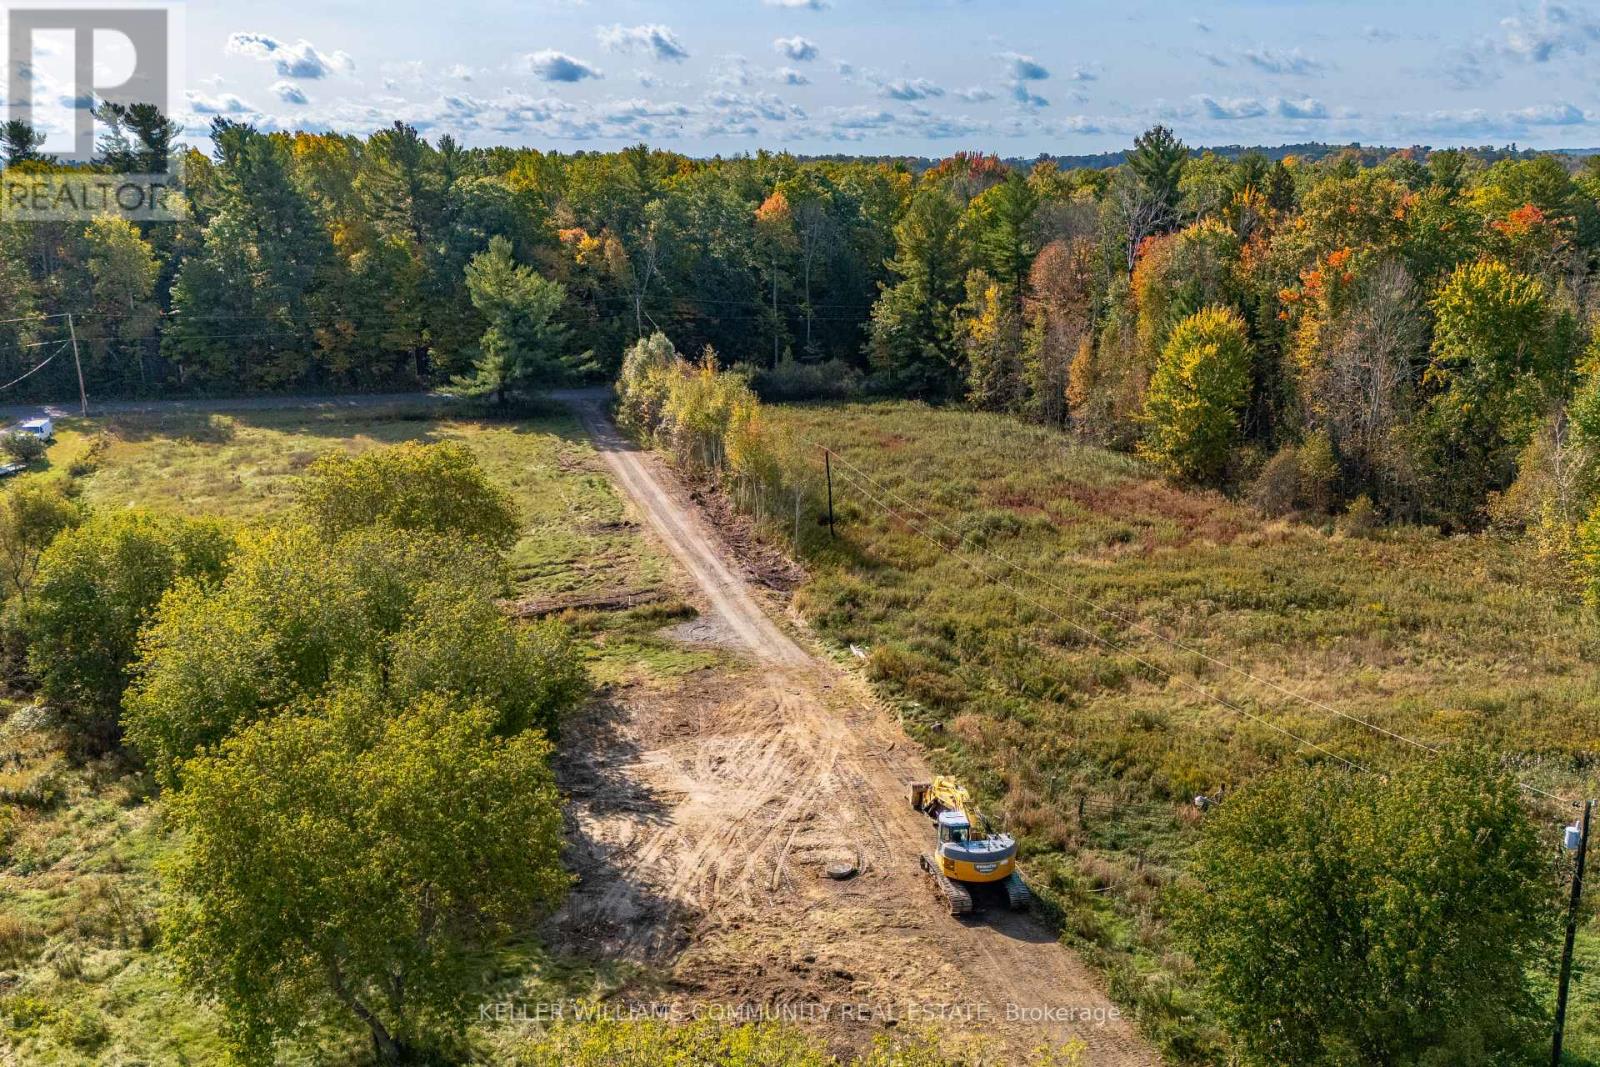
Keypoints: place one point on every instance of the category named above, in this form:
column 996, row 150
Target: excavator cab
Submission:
column 953, row 827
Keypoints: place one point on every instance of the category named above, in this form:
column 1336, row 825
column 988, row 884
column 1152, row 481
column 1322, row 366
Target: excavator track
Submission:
column 1018, row 898
column 956, row 896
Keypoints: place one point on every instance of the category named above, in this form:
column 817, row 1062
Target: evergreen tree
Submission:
column 525, row 347
column 245, row 307
column 1158, row 159
column 912, row 335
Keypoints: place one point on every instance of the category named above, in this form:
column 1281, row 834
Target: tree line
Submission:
column 1413, row 337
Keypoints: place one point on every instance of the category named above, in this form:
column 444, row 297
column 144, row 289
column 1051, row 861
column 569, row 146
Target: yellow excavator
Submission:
column 966, row 856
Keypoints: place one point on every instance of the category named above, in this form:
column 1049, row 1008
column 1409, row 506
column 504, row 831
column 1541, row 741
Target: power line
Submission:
column 38, row 368
column 1135, row 624
column 34, row 318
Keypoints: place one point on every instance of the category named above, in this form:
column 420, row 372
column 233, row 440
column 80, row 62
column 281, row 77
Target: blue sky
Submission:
column 906, row 76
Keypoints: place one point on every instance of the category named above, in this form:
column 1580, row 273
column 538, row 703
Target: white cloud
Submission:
column 289, row 92
column 790, row 76
column 797, row 48
column 975, row 94
column 1022, row 95
column 748, row 107
column 1282, row 61
column 910, row 89
column 1552, row 30
column 1024, row 68
column 221, row 104
column 298, row 60
column 1550, row 115
column 1307, row 108
column 798, row 5
column 1020, row 70
column 552, row 66
column 650, row 39
column 1230, row 109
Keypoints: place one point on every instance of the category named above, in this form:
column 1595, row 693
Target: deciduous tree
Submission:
column 1344, row 918
column 1199, row 387
column 343, row 864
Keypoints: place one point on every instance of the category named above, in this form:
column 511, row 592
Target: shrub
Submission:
column 1277, row 488
column 791, row 380
column 1360, row 518
column 96, row 586
column 22, row 446
column 437, row 488
column 86, row 464
column 1319, row 471
column 643, row 383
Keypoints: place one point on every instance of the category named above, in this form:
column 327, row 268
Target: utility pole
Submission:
column 827, row 465
column 1572, row 933
column 83, row 396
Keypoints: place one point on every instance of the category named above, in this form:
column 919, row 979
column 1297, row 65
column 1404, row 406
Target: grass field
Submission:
column 1068, row 688
column 242, row 466
column 80, row 845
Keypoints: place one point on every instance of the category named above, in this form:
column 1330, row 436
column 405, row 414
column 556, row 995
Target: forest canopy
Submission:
column 1409, row 331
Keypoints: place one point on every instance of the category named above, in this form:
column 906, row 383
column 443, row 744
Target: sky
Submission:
column 919, row 77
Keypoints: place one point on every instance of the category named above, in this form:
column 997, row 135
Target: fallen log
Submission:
column 604, row 600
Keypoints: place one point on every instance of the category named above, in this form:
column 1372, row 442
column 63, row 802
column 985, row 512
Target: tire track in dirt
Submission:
column 706, row 817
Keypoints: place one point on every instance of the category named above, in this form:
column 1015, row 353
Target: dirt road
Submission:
column 707, row 814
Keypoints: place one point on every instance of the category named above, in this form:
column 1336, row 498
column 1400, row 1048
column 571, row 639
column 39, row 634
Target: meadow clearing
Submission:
column 1093, row 648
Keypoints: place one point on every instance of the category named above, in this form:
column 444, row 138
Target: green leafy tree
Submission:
column 96, row 586
column 20, row 143
column 242, row 307
column 436, row 488
column 1002, row 222
column 1200, row 385
column 32, row 513
column 345, row 865
column 992, row 336
column 1498, row 356
column 1341, row 918
column 22, row 446
column 912, row 337
column 295, row 616
column 123, row 271
column 525, row 346
column 138, row 137
column 465, row 646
